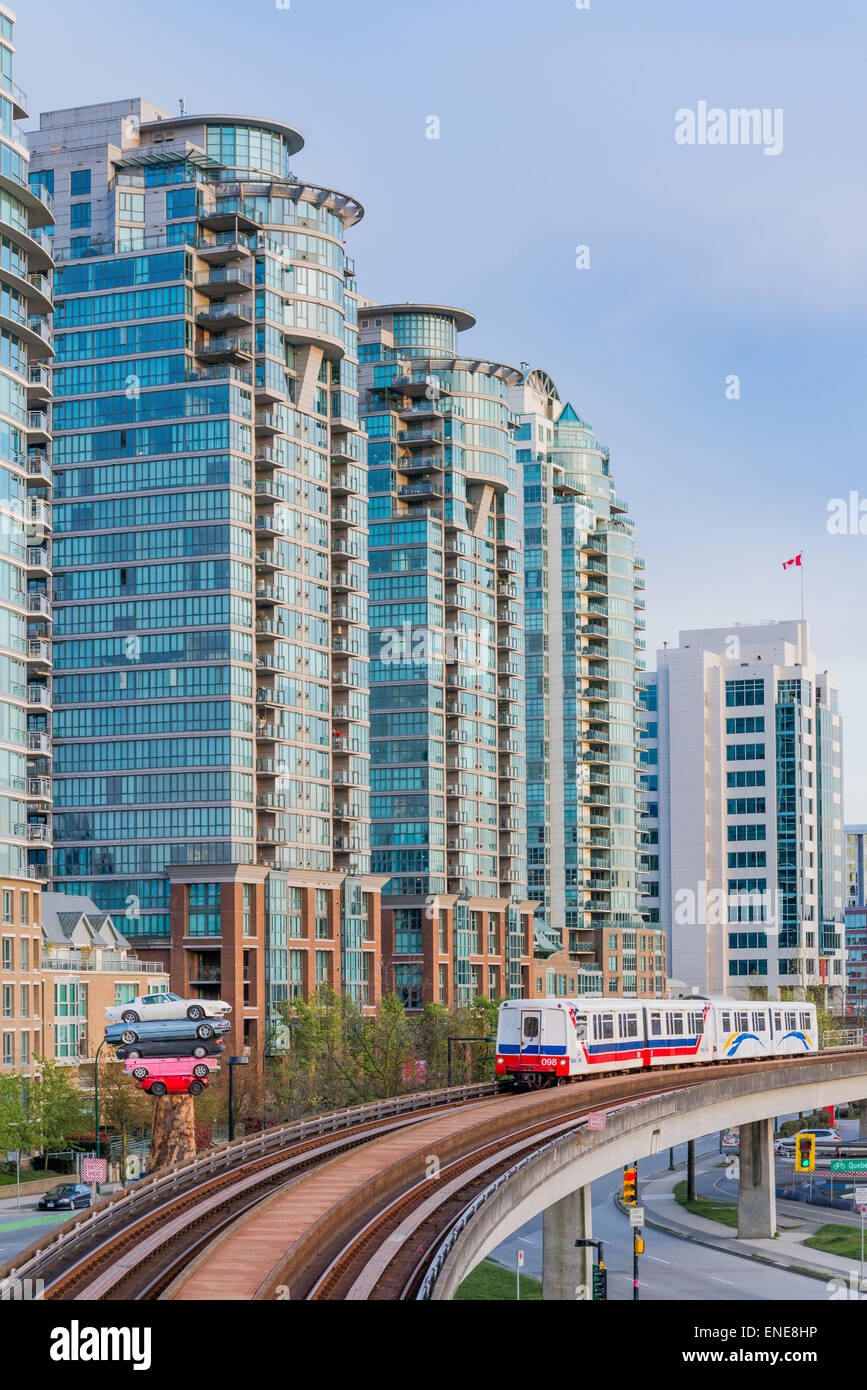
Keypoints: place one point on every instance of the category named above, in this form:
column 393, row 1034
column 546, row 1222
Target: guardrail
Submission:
column 435, row 1268
column 843, row 1037
column 169, row 1181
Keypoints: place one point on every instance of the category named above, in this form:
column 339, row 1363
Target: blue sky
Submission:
column 557, row 130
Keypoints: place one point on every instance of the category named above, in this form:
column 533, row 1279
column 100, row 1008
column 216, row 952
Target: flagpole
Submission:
column 803, row 618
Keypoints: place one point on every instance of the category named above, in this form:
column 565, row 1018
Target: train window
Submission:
column 778, row 1021
column 791, row 1019
column 581, row 1026
column 759, row 1022
column 727, row 1020
column 628, row 1025
column 696, row 1022
column 675, row 1024
column 656, row 1025
column 805, row 1019
column 531, row 1026
column 607, row 1023
column 742, row 1020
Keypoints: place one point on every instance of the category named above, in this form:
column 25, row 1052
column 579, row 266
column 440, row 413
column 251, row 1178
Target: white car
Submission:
column 146, row 1008
column 825, row 1139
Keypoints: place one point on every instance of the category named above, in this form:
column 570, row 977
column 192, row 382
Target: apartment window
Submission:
column 24, row 953
column 8, row 1049
column 79, row 245
column 25, row 909
column 8, row 905
column 25, row 1049
column 321, row 912
column 25, row 1001
column 79, row 183
column 322, row 967
column 8, row 1004
column 296, row 974
column 204, row 909
column 131, row 207
column 79, row 215
column 745, row 692
column 247, row 908
column 7, row 958
column 124, row 994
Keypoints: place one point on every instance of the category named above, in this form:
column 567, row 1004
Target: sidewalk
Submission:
column 786, row 1251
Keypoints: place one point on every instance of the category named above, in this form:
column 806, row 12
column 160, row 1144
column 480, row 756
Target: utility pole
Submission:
column 690, row 1170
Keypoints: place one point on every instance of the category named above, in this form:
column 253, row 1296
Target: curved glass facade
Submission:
column 25, row 513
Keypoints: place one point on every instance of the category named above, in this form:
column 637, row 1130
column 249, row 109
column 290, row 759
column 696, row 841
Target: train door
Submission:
column 531, row 1032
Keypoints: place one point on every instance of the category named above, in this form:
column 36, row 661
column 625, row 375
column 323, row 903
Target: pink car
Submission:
column 171, row 1066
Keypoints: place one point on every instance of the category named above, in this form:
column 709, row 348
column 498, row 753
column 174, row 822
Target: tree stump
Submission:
column 173, row 1135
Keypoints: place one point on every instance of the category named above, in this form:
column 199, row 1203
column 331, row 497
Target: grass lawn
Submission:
column 724, row 1212
column 490, row 1282
column 838, row 1240
column 33, row 1175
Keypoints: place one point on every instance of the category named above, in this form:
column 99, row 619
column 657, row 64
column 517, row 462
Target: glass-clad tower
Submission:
column 210, row 568
column 447, row 665
column 26, row 220
column 584, row 621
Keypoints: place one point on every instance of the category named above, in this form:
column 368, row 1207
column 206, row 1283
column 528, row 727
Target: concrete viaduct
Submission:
column 556, row 1179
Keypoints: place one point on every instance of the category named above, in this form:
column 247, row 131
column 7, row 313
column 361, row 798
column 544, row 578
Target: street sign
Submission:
column 520, row 1259
column 636, row 1216
column 849, row 1165
column 93, row 1169
column 860, row 1195
column 596, row 1119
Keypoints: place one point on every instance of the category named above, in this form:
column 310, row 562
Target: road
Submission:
column 671, row 1268
column 18, row 1229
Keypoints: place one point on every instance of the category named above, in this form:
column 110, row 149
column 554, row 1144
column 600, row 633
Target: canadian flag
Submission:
column 796, row 561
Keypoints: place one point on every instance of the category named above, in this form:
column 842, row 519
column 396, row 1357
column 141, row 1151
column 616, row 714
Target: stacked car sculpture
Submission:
column 169, row 1045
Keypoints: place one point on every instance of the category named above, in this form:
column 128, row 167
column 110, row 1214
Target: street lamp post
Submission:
column 96, row 1092
column 233, row 1062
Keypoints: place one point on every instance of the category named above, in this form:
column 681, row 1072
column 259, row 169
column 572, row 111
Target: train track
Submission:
column 387, row 1258
column 382, row 1248
column 192, row 1211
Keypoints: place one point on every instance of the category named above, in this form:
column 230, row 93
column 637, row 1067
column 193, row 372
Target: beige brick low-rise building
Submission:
column 87, row 966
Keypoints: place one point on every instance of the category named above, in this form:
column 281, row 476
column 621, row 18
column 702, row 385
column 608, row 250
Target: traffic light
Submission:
column 805, row 1153
column 600, row 1283
column 630, row 1185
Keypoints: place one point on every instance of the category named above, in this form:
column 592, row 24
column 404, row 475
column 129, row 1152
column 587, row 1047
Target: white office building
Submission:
column 743, row 788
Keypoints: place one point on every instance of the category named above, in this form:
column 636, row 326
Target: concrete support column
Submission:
column 565, row 1268
column 862, row 1119
column 757, row 1199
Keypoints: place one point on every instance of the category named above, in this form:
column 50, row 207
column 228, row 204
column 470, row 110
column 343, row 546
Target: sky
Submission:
column 556, row 131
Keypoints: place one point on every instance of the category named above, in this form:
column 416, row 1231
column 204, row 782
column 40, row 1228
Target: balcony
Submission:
column 38, row 426
column 38, row 559
column 219, row 283
column 224, row 349
column 38, row 466
column 38, row 742
column 39, row 787
column 231, row 215
column 38, row 697
column 267, row 422
column 217, row 318
column 343, row 483
column 39, row 606
column 39, row 834
column 221, row 250
column 38, row 380
column 420, row 464
column 38, row 652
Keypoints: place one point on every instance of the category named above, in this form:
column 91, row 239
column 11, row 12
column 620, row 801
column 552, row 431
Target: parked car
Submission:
column 170, row 1066
column 170, row 1047
column 66, row 1196
column 165, row 1029
column 148, row 1008
column 825, row 1139
column 173, row 1085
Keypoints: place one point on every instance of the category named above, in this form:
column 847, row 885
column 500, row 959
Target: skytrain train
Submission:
column 544, row 1041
